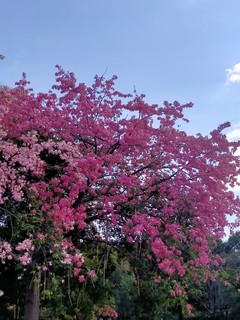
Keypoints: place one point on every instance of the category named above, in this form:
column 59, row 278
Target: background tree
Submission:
column 219, row 298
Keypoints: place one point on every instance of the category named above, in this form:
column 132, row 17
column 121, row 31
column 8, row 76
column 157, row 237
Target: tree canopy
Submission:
column 87, row 165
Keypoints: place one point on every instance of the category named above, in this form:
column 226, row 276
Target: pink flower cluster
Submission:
column 107, row 312
column 178, row 290
column 25, row 259
column 40, row 236
column 92, row 274
column 189, row 309
column 82, row 278
column 75, row 258
column 25, row 245
column 5, row 252
column 72, row 256
column 157, row 279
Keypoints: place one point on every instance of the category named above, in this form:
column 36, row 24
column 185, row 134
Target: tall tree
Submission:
column 86, row 164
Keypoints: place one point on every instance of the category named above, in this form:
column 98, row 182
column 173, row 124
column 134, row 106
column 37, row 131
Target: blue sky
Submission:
column 186, row 50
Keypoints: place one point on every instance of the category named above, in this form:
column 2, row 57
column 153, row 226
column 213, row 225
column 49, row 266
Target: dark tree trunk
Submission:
column 180, row 313
column 32, row 301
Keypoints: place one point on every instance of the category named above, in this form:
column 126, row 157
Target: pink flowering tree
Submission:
column 86, row 164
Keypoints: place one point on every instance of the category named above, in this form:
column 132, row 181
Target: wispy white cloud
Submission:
column 233, row 74
column 234, row 134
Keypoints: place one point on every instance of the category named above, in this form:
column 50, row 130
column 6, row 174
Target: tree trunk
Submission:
column 32, row 301
column 180, row 313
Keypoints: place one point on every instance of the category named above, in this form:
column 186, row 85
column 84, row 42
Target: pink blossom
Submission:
column 91, row 274
column 44, row 268
column 25, row 259
column 189, row 309
column 172, row 293
column 81, row 278
column 25, row 245
column 157, row 280
column 129, row 239
column 5, row 252
column 76, row 271
column 40, row 236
